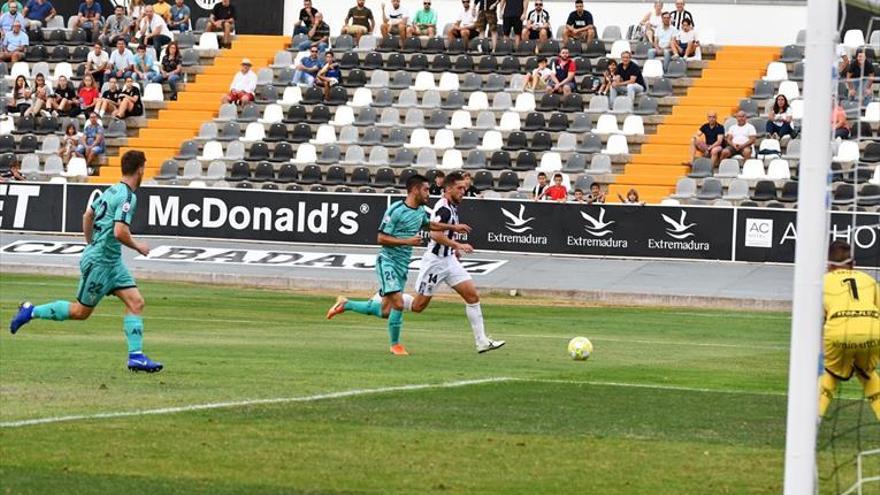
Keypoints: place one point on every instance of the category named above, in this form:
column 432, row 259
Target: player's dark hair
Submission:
column 415, row 181
column 840, row 253
column 451, row 179
column 132, row 160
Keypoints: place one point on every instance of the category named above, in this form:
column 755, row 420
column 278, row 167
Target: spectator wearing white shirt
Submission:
column 97, row 62
column 537, row 24
column 538, row 79
column 663, row 39
column 14, row 44
column 121, row 61
column 243, row 86
column 740, row 138
column 686, row 42
column 652, row 21
column 154, row 30
column 465, row 24
column 394, row 21
column 9, row 18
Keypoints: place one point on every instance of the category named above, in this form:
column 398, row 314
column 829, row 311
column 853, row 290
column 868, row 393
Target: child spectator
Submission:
column 538, row 190
column 538, row 78
column 632, row 198
column 557, row 192
column 596, row 195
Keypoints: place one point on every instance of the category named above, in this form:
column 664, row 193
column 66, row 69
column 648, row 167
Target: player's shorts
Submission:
column 858, row 352
column 436, row 270
column 100, row 279
column 392, row 276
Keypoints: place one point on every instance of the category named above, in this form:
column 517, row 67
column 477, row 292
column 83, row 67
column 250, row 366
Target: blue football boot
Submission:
column 140, row 362
column 24, row 315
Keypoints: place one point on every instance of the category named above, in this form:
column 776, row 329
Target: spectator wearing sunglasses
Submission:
column 537, row 24
column 424, row 22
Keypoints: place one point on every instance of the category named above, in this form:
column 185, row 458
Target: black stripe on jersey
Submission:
column 445, row 213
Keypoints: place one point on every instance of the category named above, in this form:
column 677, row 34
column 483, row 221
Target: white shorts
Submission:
column 435, row 270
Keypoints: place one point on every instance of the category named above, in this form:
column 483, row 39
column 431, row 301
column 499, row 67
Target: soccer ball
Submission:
column 580, row 348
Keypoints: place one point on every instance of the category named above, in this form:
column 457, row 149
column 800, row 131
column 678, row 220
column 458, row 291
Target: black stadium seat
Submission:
column 258, row 152
column 265, row 171
column 507, row 181
column 283, row 153
column 311, row 174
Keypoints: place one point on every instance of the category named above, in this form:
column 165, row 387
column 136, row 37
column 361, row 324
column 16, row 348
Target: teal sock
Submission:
column 395, row 321
column 368, row 307
column 58, row 311
column 133, row 325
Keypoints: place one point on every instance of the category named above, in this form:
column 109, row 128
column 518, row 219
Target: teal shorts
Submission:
column 392, row 276
column 100, row 279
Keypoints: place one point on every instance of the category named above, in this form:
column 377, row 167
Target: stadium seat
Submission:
column 599, row 105
column 525, row 102
column 344, row 116
column 550, row 162
column 329, row 154
column 848, row 151
column 592, row 143
column 485, row 120
column 444, row 139
column 607, row 124
column 737, row 190
column 305, row 154
column 378, row 156
column 765, row 190
column 452, row 160
column 701, row 168
column 371, row 137
column 253, row 133
column 420, row 138
column 566, row 142
column 427, row 159
column 500, row 160
column 326, row 134
column 347, row 135
column 776, row 71
column 476, row 160
column 752, row 169
column 710, row 190
column 685, row 188
column 599, row 164
column 616, row 145
column 778, row 170
column 652, row 69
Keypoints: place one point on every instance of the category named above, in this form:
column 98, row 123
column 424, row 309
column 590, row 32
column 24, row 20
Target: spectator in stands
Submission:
column 241, row 91
column 709, row 140
column 564, row 70
column 319, row 34
column 329, row 75
column 117, row 26
column 740, row 138
column 632, row 198
column 89, row 18
column 663, row 40
column 163, row 9
column 98, row 61
column 38, row 13
column 8, row 19
column 471, row 191
column 579, row 25
column 539, row 78
column 860, row 79
column 631, row 78
column 64, row 100
column 306, row 18
column 686, row 42
column 394, row 21
column 512, row 18
column 88, row 94
column 180, row 17
column 145, row 66
column 13, row 173
column 424, row 22
column 222, row 19
column 14, row 44
column 537, row 24
column 362, row 21
column 843, row 62
column 839, row 122
column 40, row 95
column 307, row 68
column 136, row 11
column 130, row 103
column 465, row 24
column 652, row 21
column 436, row 189
column 557, row 192
column 21, row 96
column 91, row 141
column 597, row 195
column 109, row 100
column 579, row 197
column 5, row 8
column 540, row 187
column 608, row 78
column 680, row 14
column 69, row 142
column 779, row 119
column 487, row 19
column 121, row 61
column 154, row 30
column 170, row 69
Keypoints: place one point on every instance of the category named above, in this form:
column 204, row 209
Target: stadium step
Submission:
column 727, row 79
column 200, row 102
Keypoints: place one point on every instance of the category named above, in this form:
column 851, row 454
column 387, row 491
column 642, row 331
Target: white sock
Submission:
column 376, row 297
column 475, row 316
column 407, row 302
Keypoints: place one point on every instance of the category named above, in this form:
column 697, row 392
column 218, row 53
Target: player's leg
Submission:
column 124, row 287
column 838, row 367
column 474, row 311
column 372, row 306
column 827, row 389
column 866, row 370
column 431, row 273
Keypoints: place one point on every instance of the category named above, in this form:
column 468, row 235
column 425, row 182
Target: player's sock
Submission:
column 872, row 391
column 407, row 302
column 475, row 316
column 395, row 321
column 827, row 388
column 368, row 307
column 58, row 311
column 133, row 325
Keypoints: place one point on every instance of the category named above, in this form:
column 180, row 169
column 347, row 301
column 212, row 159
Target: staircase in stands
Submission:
column 199, row 102
column 663, row 158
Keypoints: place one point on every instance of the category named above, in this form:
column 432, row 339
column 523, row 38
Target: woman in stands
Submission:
column 69, row 142
column 839, row 122
column 779, row 119
column 63, row 100
column 39, row 96
column 170, row 68
column 21, row 96
column 130, row 105
column 109, row 100
column 135, row 11
column 652, row 21
column 88, row 94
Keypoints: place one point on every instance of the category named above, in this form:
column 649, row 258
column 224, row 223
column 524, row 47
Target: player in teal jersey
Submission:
column 106, row 226
column 398, row 233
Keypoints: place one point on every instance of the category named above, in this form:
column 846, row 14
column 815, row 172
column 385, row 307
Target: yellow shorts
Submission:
column 857, row 352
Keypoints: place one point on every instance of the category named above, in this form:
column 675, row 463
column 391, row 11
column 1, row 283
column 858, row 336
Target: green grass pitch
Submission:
column 672, row 402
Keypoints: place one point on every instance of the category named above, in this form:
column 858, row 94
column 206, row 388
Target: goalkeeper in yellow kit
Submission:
column 852, row 328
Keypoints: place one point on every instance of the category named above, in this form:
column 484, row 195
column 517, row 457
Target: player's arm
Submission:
column 441, row 238
column 88, row 224
column 123, row 234
column 384, row 239
column 460, row 228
